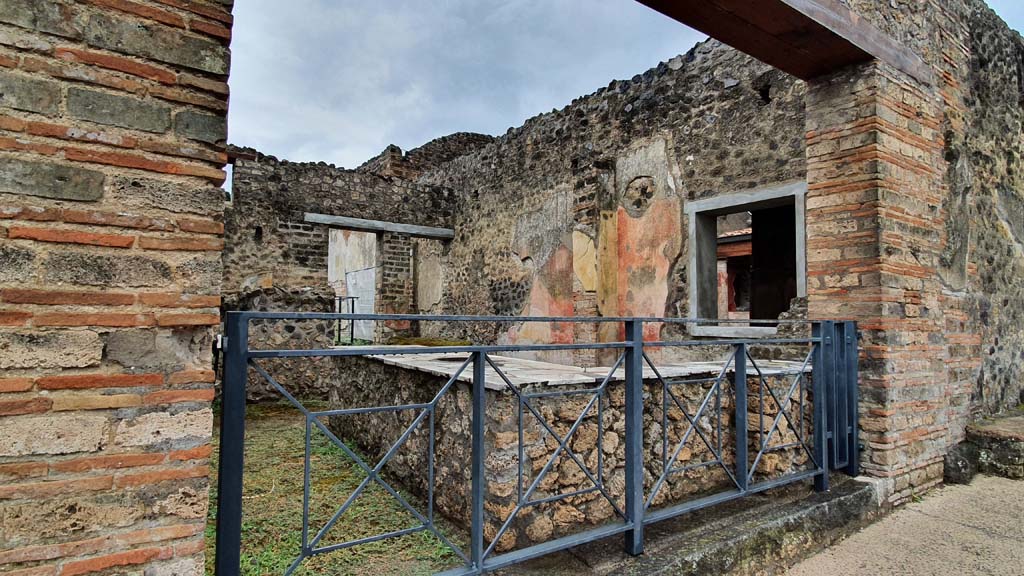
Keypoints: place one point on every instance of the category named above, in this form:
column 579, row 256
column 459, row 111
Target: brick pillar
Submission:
column 112, row 138
column 874, row 233
column 396, row 292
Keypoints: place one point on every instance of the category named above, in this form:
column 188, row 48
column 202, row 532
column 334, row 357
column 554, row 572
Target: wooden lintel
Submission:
column 363, row 225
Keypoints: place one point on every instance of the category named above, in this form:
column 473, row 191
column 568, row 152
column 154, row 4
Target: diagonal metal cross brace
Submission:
column 428, row 524
column 765, row 438
column 563, row 442
column 692, row 425
column 703, row 438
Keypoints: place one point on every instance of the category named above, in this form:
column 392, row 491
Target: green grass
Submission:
column 272, row 508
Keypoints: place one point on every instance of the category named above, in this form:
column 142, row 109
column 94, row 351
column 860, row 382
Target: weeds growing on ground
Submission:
column 272, row 507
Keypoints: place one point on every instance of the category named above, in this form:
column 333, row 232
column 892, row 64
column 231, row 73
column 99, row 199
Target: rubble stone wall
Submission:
column 112, row 143
column 365, row 382
column 268, row 243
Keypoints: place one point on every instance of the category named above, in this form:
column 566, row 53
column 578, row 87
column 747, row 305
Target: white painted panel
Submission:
column 363, row 283
column 346, row 252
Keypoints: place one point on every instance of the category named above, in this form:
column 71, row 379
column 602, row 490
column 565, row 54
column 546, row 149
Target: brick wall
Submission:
column 911, row 220
column 112, row 131
column 875, row 184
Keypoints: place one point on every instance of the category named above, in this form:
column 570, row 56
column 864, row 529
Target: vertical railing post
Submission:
column 739, row 384
column 232, row 445
column 351, row 322
column 852, row 392
column 337, row 321
column 477, row 466
column 634, row 437
column 824, row 368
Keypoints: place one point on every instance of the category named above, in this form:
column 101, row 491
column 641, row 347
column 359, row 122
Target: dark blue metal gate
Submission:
column 829, row 439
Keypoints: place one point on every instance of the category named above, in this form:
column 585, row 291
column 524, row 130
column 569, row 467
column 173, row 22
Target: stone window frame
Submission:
column 702, row 246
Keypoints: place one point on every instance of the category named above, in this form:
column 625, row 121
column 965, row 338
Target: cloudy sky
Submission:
column 338, row 80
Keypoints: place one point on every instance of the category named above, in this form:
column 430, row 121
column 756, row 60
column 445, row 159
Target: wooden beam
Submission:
column 805, row 38
column 735, row 249
column 379, row 226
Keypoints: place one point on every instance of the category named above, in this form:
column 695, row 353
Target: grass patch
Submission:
column 272, row 507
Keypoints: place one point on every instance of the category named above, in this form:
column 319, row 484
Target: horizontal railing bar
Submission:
column 369, row 410
column 679, row 509
column 508, row 559
column 777, row 482
column 670, row 381
column 411, row 350
column 770, row 449
column 367, row 540
column 770, row 372
column 730, row 341
column 570, row 541
column 653, row 516
column 250, row 315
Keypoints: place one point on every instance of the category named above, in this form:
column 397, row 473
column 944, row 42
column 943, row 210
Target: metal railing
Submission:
column 829, row 439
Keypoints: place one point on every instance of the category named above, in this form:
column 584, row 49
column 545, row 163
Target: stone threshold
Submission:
column 763, row 534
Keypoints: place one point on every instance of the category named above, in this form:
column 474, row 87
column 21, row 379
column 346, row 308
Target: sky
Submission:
column 339, row 80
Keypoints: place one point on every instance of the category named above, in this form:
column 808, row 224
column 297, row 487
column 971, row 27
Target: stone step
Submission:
column 1000, row 445
column 763, row 534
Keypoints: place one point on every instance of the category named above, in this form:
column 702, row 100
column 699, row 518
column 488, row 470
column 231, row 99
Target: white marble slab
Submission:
column 521, row 372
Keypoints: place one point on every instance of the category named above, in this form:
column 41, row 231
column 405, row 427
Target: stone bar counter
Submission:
column 597, row 442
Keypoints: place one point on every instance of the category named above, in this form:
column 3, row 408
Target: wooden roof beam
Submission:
column 805, row 38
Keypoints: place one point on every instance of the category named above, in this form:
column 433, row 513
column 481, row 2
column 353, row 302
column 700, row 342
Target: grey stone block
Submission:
column 114, row 110
column 15, row 263
column 60, row 349
column 99, row 270
column 155, row 349
column 145, row 193
column 29, row 94
column 157, row 42
column 50, row 180
column 961, row 464
column 207, row 128
column 42, row 15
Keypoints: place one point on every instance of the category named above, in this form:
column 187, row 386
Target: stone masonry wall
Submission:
column 274, row 261
column 112, row 137
column 392, row 162
column 268, row 243
column 913, row 212
column 582, row 208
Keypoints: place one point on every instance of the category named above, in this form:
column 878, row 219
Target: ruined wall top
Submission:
column 393, row 162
